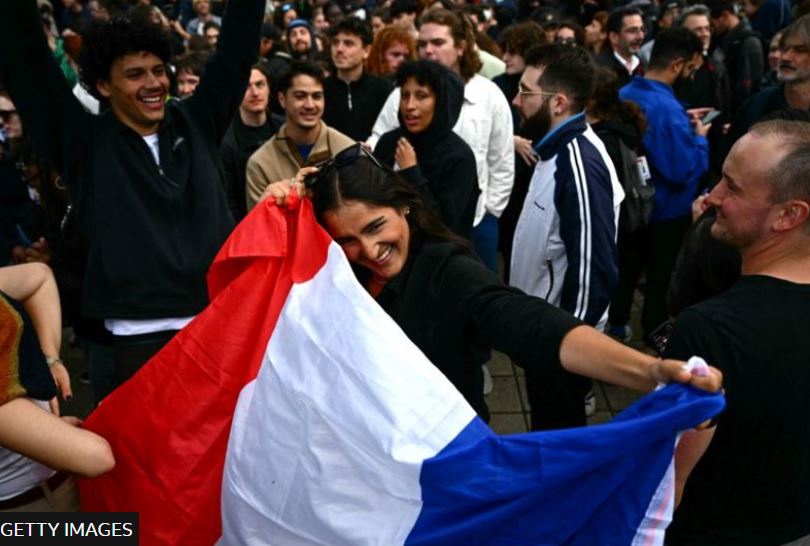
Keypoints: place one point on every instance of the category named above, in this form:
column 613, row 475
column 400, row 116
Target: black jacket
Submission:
column 744, row 61
column 752, row 111
column 445, row 173
column 508, row 84
column 607, row 59
column 451, row 306
column 238, row 144
column 705, row 267
column 708, row 87
column 152, row 230
column 352, row 108
column 611, row 132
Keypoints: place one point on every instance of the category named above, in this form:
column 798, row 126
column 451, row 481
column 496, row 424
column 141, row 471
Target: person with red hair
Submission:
column 391, row 47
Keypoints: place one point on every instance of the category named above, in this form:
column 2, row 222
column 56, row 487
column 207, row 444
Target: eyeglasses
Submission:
column 5, row 115
column 339, row 161
column 541, row 93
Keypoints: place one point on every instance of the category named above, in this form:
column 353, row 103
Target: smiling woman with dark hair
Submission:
column 430, row 156
column 444, row 299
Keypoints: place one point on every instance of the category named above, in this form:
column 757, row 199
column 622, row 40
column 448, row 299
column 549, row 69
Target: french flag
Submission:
column 294, row 411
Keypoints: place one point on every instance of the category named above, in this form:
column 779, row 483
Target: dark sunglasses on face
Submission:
column 5, row 115
column 339, row 161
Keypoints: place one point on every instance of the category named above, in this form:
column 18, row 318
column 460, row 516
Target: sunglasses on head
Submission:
column 339, row 161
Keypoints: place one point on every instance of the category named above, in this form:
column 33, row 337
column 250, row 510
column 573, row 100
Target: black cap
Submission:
column 546, row 18
column 672, row 4
column 270, row 31
column 399, row 7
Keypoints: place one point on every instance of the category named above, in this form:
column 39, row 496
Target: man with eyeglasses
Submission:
column 625, row 27
column 677, row 153
column 709, row 87
column 564, row 246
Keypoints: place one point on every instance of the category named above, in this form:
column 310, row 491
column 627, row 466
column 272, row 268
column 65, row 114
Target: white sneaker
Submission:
column 590, row 404
column 487, row 379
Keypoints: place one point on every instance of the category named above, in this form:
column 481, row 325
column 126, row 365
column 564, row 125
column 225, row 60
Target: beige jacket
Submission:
column 278, row 159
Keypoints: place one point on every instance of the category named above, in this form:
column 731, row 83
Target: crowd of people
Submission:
column 503, row 175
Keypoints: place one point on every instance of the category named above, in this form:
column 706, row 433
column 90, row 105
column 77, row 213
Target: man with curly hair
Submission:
column 145, row 175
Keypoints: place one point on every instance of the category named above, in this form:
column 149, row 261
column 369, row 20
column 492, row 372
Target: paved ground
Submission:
column 507, row 402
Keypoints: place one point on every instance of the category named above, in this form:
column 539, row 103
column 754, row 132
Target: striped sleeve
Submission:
column 583, row 197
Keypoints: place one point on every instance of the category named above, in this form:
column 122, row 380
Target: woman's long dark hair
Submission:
column 606, row 105
column 364, row 182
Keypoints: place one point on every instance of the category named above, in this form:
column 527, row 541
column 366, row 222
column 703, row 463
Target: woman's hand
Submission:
column 281, row 189
column 675, row 371
column 523, row 147
column 405, row 154
column 584, row 351
column 62, row 379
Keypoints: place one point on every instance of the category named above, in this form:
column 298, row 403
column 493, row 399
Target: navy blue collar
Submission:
column 548, row 144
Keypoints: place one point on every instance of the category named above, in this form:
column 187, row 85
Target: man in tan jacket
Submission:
column 302, row 141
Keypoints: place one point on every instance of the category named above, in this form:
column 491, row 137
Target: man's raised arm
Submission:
column 50, row 113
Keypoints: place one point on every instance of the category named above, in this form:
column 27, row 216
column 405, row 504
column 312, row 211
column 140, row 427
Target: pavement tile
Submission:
column 600, row 417
column 601, row 399
column 500, row 364
column 504, row 396
column 508, row 423
column 619, row 398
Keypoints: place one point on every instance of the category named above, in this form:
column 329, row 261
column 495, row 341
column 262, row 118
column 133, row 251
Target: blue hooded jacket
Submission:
column 677, row 157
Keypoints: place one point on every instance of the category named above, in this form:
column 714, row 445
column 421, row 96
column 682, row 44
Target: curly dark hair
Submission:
column 520, row 38
column 606, row 105
column 105, row 42
column 355, row 26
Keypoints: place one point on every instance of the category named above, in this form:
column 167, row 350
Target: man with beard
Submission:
column 677, row 152
column 625, row 27
column 144, row 176
column 752, row 486
column 304, row 139
column 301, row 40
column 793, row 74
column 354, row 97
column 252, row 127
column 708, row 88
column 564, row 248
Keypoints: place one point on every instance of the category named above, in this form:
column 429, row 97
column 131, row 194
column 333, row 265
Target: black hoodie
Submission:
column 445, row 173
